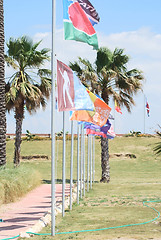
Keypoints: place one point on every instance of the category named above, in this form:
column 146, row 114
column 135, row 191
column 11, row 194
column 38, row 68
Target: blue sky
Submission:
column 131, row 25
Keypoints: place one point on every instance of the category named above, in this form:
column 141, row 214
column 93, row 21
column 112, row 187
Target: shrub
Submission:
column 16, row 182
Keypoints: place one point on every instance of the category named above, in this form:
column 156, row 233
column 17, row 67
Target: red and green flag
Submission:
column 79, row 18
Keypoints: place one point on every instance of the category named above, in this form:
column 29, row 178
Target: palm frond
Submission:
column 119, row 60
column 45, row 86
column 44, row 72
column 104, row 58
column 76, row 67
column 35, row 45
column 157, row 148
column 10, row 62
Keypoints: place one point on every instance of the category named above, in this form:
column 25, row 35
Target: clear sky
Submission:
column 131, row 25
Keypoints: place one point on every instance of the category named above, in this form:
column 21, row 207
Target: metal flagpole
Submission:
column 78, row 164
column 93, row 158
column 144, row 113
column 53, row 69
column 91, row 162
column 71, row 165
column 114, row 118
column 88, row 156
column 84, row 164
column 81, row 161
column 63, row 183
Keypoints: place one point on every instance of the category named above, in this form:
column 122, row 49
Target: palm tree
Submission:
column 109, row 77
column 2, row 92
column 29, row 86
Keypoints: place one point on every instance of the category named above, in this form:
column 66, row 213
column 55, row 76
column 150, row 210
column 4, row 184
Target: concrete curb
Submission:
column 46, row 219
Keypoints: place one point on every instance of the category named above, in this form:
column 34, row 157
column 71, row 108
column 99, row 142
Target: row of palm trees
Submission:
column 29, row 86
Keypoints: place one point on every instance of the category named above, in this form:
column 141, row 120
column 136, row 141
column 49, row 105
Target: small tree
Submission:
column 30, row 85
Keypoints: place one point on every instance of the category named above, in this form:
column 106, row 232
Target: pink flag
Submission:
column 72, row 94
column 65, row 84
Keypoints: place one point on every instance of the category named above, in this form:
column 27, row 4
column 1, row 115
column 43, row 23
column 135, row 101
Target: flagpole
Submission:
column 63, row 169
column 81, row 161
column 114, row 118
column 144, row 113
column 90, row 161
column 53, row 69
column 88, row 157
column 71, row 164
column 84, row 185
column 77, row 163
column 93, row 158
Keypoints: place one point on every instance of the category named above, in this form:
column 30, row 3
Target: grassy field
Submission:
column 133, row 180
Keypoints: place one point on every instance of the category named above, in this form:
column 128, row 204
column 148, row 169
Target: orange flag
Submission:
column 98, row 117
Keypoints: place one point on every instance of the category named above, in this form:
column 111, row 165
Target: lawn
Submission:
column 117, row 203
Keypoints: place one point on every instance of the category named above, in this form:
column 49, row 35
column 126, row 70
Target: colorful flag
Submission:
column 77, row 25
column 117, row 108
column 95, row 133
column 106, row 131
column 90, row 11
column 147, row 108
column 111, row 134
column 72, row 94
column 97, row 117
column 97, row 130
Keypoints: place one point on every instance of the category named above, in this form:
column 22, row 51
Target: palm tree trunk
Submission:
column 105, row 148
column 2, row 92
column 105, row 161
column 19, row 115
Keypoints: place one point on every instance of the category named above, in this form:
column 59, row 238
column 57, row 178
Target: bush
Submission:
column 36, row 138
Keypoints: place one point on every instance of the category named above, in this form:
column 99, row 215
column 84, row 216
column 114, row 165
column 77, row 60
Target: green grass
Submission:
column 106, row 205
